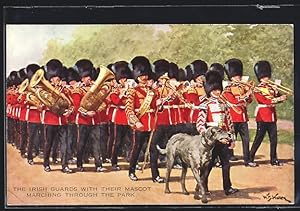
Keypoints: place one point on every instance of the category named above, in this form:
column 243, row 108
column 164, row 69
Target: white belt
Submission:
column 262, row 106
column 32, row 107
column 169, row 106
column 114, row 106
column 212, row 124
column 200, row 107
column 265, row 106
column 149, row 111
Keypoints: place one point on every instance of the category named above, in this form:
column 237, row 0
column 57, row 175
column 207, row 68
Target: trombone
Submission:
column 280, row 88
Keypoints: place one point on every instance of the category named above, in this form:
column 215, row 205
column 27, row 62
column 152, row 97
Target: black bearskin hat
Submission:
column 14, row 79
column 121, row 70
column 173, row 71
column 263, row 69
column 189, row 73
column 53, row 68
column 140, row 65
column 95, row 73
column 22, row 74
column 64, row 73
column 213, row 82
column 31, row 69
column 233, row 67
column 181, row 75
column 109, row 66
column 219, row 68
column 161, row 67
column 198, row 67
column 72, row 75
column 84, row 67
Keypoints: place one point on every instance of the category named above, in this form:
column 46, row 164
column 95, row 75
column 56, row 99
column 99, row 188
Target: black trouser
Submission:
column 243, row 130
column 24, row 137
column 53, row 133
column 10, row 130
column 161, row 136
column 222, row 151
column 139, row 139
column 121, row 133
column 14, row 132
column 191, row 129
column 18, row 134
column 72, row 141
column 262, row 128
column 35, row 135
column 110, row 141
column 104, row 139
column 92, row 133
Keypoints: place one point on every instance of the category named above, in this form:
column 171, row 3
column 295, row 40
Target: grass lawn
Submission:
column 284, row 137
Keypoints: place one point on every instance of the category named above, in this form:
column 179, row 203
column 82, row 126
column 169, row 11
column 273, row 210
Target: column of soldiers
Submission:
column 145, row 105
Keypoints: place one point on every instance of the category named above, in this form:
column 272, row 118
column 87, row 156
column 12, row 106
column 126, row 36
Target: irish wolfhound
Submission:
column 194, row 152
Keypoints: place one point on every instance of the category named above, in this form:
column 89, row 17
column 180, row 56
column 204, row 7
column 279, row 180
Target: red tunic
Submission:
column 118, row 114
column 50, row 118
column 240, row 104
column 169, row 113
column 23, row 107
column 136, row 97
column 215, row 114
column 80, row 118
column 265, row 110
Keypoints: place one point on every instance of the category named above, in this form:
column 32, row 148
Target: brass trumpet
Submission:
column 280, row 88
column 176, row 92
column 223, row 99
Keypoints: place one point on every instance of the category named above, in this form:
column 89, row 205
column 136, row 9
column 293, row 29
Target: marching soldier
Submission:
column 33, row 118
column 55, row 124
column 22, row 115
column 195, row 94
column 73, row 81
column 109, row 112
column 168, row 110
column 12, row 97
column 140, row 110
column 122, row 130
column 217, row 114
column 88, row 129
column 267, row 97
column 240, row 96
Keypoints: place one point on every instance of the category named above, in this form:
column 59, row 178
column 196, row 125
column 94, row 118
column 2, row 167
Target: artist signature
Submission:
column 276, row 196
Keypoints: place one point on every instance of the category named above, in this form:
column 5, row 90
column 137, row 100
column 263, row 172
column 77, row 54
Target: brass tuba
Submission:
column 98, row 91
column 31, row 98
column 56, row 101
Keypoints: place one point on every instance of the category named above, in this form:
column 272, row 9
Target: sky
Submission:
column 25, row 43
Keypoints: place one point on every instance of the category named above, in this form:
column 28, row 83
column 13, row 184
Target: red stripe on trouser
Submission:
column 115, row 138
column 133, row 144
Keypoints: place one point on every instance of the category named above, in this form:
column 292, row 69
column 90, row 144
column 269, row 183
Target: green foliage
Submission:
column 182, row 44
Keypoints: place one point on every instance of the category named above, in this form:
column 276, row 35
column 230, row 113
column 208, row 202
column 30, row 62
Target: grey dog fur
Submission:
column 194, row 152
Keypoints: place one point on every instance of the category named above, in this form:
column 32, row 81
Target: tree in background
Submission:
column 182, row 44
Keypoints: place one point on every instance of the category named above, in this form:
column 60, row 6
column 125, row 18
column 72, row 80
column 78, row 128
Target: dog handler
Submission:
column 216, row 113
